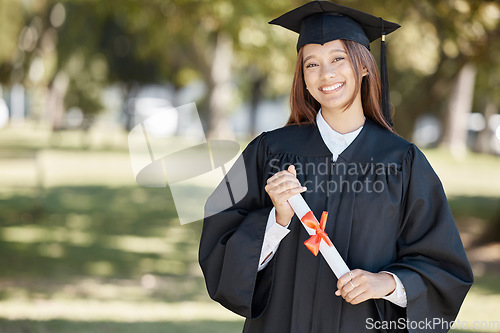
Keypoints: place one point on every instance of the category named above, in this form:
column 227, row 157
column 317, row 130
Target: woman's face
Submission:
column 329, row 75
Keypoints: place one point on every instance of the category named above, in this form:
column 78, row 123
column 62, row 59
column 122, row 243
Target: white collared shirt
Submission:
column 336, row 143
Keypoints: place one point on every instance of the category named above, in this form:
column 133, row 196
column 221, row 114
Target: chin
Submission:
column 333, row 106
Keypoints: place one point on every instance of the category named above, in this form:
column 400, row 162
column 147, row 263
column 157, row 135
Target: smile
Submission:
column 334, row 87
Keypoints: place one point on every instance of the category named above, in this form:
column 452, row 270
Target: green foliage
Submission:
column 80, row 253
column 11, row 23
column 62, row 326
column 158, row 41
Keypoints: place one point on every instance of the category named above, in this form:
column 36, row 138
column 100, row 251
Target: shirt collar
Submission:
column 328, row 132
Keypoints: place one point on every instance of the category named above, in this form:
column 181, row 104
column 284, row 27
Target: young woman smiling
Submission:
column 388, row 214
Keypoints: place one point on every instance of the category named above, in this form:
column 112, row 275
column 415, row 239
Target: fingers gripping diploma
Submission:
column 355, row 286
column 358, row 286
column 281, row 187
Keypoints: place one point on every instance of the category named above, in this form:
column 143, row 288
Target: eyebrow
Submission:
column 331, row 51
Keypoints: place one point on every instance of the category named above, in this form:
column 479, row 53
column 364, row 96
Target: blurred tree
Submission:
column 106, row 40
column 174, row 41
column 439, row 39
column 226, row 43
column 11, row 24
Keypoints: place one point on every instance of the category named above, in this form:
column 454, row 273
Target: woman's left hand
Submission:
column 361, row 285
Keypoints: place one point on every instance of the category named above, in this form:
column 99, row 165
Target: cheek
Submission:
column 308, row 78
column 309, row 81
column 347, row 70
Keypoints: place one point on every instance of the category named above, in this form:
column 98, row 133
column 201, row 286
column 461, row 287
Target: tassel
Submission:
column 386, row 110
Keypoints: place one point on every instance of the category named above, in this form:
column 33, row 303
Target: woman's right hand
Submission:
column 281, row 187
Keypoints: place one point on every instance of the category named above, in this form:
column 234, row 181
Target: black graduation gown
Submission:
column 387, row 211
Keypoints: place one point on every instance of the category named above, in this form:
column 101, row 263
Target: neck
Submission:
column 345, row 120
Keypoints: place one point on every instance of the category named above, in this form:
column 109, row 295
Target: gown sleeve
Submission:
column 431, row 260
column 231, row 240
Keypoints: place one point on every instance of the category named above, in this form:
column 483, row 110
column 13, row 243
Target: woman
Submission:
column 388, row 214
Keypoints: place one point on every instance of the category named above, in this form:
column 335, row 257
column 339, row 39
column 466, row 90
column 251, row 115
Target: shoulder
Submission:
column 378, row 144
column 391, row 146
column 387, row 139
column 292, row 134
column 304, row 140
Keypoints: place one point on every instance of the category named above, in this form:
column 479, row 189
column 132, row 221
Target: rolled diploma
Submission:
column 330, row 253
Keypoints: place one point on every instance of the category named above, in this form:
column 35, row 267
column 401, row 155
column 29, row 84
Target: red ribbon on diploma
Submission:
column 313, row 242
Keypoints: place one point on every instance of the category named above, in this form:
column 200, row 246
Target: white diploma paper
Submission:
column 330, row 253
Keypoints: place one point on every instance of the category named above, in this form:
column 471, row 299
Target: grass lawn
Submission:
column 84, row 249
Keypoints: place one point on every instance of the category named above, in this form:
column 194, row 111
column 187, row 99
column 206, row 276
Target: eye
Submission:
column 311, row 64
column 338, row 59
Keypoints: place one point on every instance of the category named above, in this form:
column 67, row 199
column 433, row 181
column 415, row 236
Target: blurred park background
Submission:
column 85, row 249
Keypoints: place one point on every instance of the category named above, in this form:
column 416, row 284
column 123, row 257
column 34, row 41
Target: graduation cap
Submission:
column 319, row 22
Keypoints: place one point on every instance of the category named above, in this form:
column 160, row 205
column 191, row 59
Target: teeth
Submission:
column 330, row 88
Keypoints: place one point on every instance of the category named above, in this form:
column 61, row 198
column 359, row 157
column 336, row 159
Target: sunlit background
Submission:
column 86, row 249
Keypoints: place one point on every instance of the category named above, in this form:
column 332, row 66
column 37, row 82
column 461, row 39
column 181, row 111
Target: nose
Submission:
column 328, row 71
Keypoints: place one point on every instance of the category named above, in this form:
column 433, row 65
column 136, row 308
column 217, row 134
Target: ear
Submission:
column 364, row 72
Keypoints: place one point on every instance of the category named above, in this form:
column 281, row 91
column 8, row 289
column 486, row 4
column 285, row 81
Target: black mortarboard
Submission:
column 319, row 22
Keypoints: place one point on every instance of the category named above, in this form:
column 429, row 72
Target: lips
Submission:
column 331, row 88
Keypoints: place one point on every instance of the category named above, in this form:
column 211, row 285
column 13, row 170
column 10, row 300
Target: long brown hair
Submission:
column 304, row 107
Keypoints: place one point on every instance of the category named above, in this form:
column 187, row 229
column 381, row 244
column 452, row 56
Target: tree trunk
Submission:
column 219, row 89
column 128, row 109
column 459, row 107
column 256, row 95
column 426, row 98
column 56, row 101
column 483, row 144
